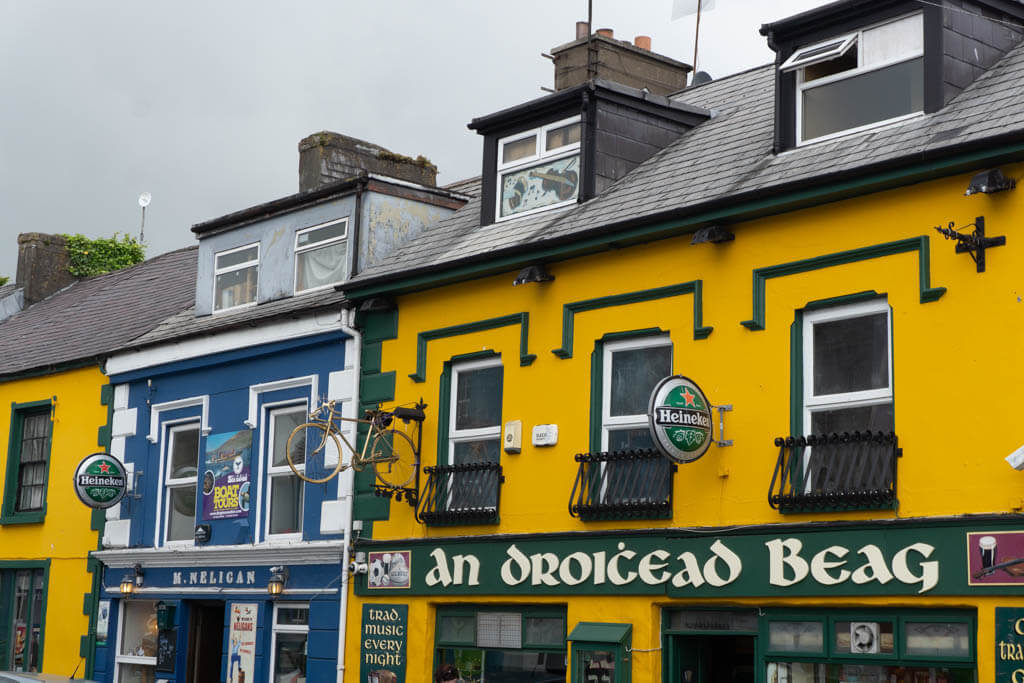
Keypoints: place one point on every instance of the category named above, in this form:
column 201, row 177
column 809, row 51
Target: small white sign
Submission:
column 102, row 621
column 545, row 435
column 863, row 637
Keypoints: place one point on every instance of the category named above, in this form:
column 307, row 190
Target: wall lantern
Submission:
column 714, row 234
column 988, row 182
column 534, row 273
column 278, row 577
column 202, row 533
column 132, row 581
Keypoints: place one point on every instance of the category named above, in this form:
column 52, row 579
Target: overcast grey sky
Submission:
column 202, row 103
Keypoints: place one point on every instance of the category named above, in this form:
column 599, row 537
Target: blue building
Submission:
column 220, row 564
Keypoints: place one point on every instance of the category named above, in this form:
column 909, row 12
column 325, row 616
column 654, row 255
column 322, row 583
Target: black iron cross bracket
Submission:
column 974, row 243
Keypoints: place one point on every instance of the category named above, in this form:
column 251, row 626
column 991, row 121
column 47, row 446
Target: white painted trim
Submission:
column 157, row 408
column 265, row 494
column 276, row 628
column 278, row 385
column 231, row 340
column 608, row 421
column 216, row 590
column 307, row 552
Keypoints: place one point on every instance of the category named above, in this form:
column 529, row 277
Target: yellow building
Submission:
column 51, row 351
column 779, row 249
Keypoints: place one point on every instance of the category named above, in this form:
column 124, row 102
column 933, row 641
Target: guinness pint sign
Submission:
column 100, row 480
column 680, row 419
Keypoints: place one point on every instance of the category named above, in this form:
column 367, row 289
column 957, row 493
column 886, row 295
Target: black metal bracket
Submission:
column 974, row 243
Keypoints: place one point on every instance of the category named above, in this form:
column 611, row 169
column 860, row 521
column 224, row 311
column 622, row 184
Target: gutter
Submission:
column 348, row 316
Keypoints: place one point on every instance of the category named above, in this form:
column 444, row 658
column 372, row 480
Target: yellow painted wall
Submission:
column 64, row 537
column 957, row 378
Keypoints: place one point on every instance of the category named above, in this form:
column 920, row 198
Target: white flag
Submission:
column 682, row 8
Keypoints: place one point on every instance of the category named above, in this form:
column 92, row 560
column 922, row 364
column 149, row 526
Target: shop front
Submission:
column 906, row 601
column 235, row 623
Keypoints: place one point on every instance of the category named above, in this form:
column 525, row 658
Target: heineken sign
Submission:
column 680, row 419
column 100, row 480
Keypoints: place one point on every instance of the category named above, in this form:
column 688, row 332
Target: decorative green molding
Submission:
column 521, row 319
column 918, row 244
column 570, row 310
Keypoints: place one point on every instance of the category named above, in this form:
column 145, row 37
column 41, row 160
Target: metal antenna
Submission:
column 144, row 199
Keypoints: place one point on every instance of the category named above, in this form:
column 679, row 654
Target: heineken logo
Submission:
column 680, row 419
column 100, row 480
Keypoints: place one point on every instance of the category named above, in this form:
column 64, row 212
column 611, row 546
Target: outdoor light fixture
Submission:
column 988, row 182
column 202, row 533
column 714, row 234
column 132, row 581
column 534, row 273
column 278, row 577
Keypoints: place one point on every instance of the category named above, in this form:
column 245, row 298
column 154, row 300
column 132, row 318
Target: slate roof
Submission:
column 724, row 161
column 467, row 186
column 94, row 316
column 7, row 290
column 187, row 324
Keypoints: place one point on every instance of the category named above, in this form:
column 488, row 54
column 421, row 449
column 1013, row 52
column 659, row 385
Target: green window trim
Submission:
column 8, row 511
column 526, row 612
column 13, row 566
column 445, row 400
column 607, row 638
column 521, row 319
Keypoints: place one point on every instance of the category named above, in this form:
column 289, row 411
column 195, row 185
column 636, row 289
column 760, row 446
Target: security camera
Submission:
column 358, row 567
column 1016, row 459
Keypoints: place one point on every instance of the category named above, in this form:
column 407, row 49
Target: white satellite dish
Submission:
column 144, row 199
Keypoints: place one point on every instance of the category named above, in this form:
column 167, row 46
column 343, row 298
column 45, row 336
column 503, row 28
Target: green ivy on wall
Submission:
column 4, row 280
column 87, row 257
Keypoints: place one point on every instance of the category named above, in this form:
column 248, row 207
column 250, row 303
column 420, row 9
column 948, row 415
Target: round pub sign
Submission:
column 680, row 419
column 100, row 480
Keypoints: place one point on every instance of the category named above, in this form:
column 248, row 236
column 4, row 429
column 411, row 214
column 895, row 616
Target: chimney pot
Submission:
column 582, row 29
column 606, row 32
column 643, row 42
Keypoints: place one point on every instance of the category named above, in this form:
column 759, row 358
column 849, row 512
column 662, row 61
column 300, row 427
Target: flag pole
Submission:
column 696, row 37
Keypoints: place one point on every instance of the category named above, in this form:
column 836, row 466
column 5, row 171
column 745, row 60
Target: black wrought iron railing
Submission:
column 461, row 494
column 847, row 471
column 635, row 484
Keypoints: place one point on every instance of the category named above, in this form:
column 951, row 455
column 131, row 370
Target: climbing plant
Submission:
column 88, row 257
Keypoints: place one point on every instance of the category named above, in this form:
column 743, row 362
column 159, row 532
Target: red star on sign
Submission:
column 688, row 396
column 104, row 468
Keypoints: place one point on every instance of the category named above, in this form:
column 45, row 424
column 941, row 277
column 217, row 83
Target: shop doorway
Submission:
column 711, row 659
column 205, row 641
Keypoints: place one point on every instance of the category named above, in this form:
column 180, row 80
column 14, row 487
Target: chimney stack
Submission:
column 327, row 157
column 42, row 265
column 620, row 61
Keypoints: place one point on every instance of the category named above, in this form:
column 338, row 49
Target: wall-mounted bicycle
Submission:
column 316, row 454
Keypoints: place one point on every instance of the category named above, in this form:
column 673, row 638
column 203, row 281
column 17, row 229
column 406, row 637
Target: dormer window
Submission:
column 235, row 275
column 539, row 169
column 860, row 79
column 321, row 255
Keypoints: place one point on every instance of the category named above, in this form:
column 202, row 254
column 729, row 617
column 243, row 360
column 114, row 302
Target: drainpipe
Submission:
column 348, row 327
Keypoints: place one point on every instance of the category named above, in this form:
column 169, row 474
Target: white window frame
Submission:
column 847, row 41
column 478, row 433
column 540, row 155
column 217, row 271
column 167, row 483
column 609, row 422
column 286, row 628
column 852, row 399
column 319, row 245
column 119, row 658
column 281, row 470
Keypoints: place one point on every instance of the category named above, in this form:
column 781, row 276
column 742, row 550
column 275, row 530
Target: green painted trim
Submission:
column 732, row 213
column 521, row 319
column 796, row 374
column 843, row 300
column 918, row 244
column 8, row 514
column 569, row 311
column 52, row 369
column 45, row 566
column 444, row 403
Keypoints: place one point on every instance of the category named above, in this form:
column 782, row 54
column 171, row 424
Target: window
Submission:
column 136, row 653
column 503, row 643
column 474, row 436
column 28, row 460
column 847, row 375
column 320, row 255
column 860, row 79
column 21, row 619
column 180, row 482
column 539, row 169
column 290, row 633
column 235, row 275
column 284, row 504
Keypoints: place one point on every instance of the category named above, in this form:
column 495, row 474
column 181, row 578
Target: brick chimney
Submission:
column 619, row 61
column 42, row 265
column 327, row 157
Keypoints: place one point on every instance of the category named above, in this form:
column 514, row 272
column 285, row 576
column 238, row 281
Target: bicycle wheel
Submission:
column 310, row 455
column 394, row 458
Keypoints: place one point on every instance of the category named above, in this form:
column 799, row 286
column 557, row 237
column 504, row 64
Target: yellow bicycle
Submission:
column 315, row 454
